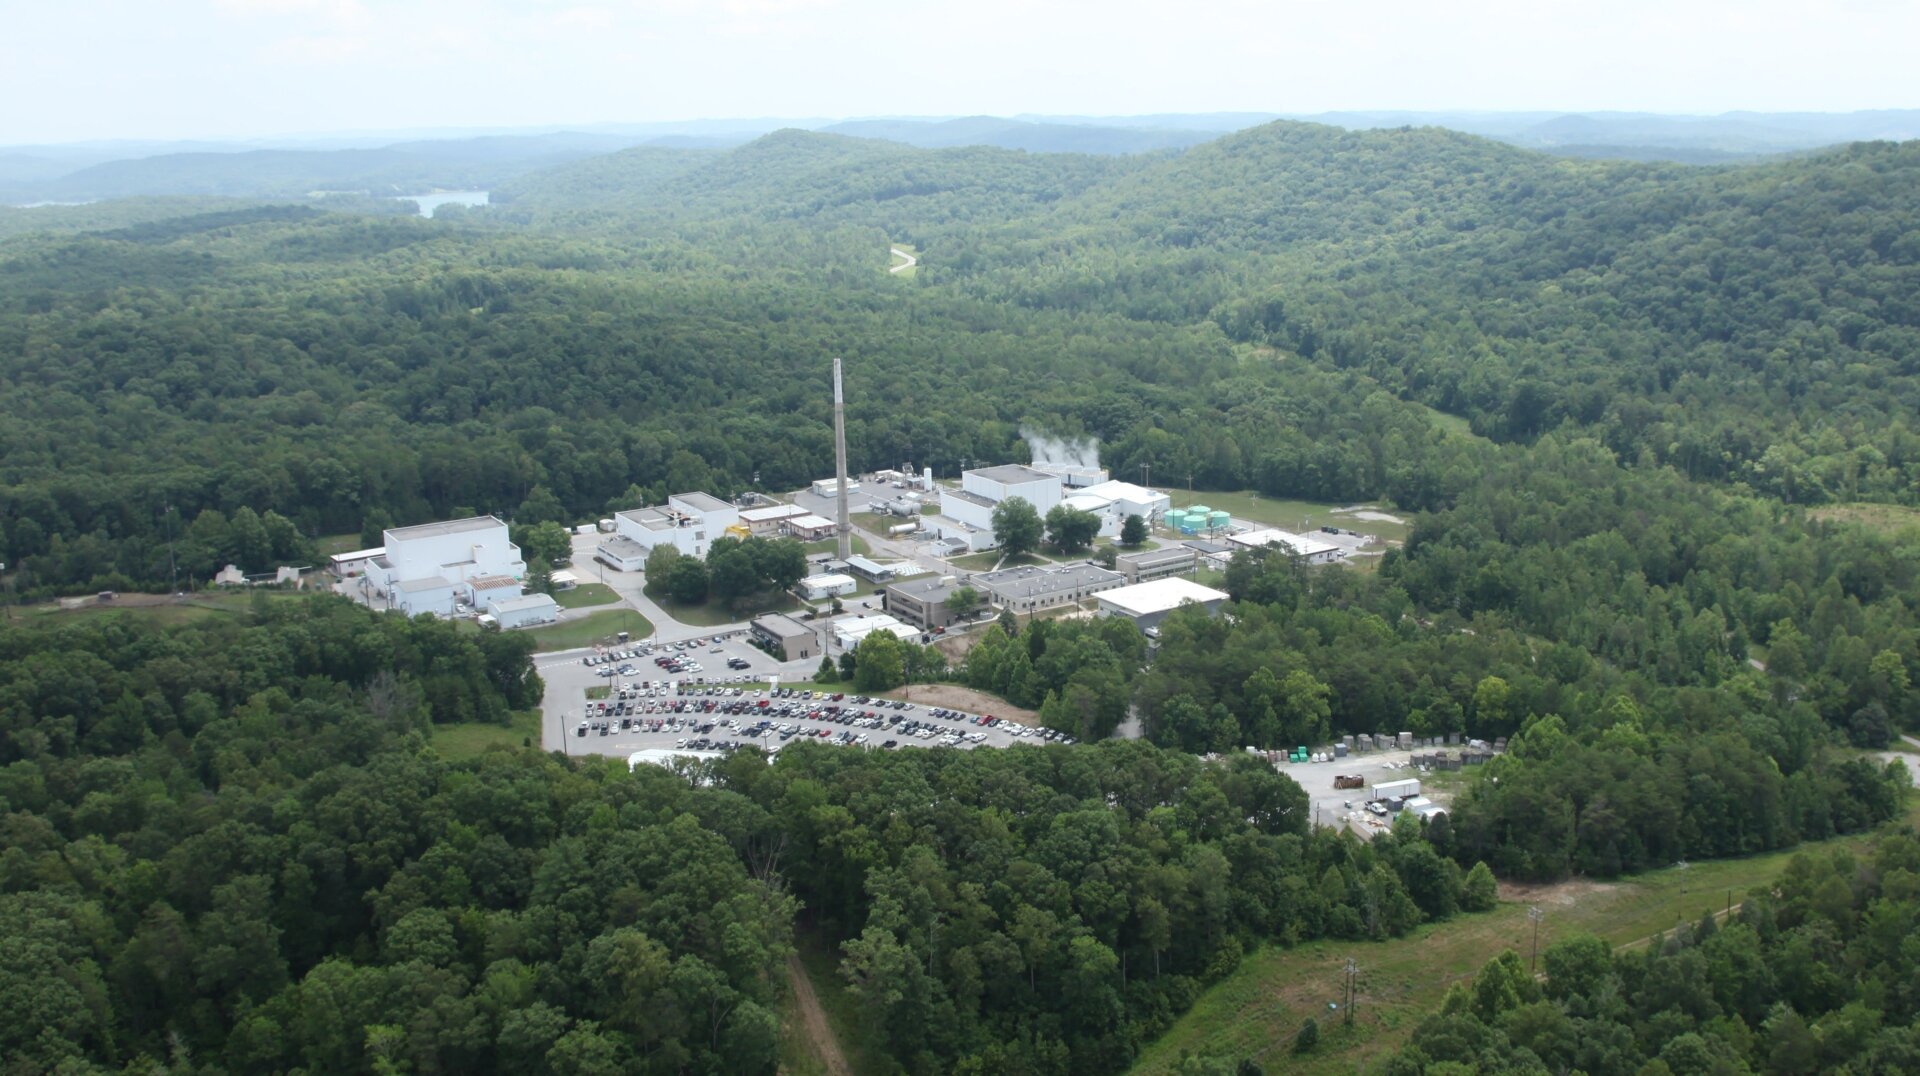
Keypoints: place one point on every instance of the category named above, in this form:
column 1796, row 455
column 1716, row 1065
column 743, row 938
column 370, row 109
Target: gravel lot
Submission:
column 1330, row 803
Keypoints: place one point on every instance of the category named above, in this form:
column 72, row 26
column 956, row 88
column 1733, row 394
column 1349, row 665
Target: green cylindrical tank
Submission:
column 1219, row 521
column 1175, row 518
column 1197, row 510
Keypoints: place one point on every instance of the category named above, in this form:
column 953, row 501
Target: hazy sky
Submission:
column 84, row 69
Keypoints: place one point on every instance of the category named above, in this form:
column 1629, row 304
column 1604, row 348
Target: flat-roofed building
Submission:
column 787, row 638
column 922, row 602
column 769, row 521
column 525, row 611
column 1031, row 589
column 689, row 522
column 828, row 585
column 453, row 551
column 811, row 528
column 1150, row 564
column 355, row 564
column 1147, row 604
column 1131, row 500
column 431, row 594
column 830, row 487
column 483, row 589
column 621, row 553
column 849, row 630
column 1302, row 546
column 996, row 484
column 872, row 570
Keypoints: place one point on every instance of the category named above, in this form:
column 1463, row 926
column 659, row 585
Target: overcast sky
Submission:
column 88, row 69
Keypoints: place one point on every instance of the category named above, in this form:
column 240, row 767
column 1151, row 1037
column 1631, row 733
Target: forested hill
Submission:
column 1752, row 324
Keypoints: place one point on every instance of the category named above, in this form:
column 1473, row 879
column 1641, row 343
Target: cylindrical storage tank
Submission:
column 1219, row 520
column 1200, row 510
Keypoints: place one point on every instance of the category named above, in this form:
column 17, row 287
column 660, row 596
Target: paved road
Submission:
column 910, row 263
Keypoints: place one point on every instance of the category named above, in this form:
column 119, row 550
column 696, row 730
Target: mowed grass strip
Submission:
column 590, row 629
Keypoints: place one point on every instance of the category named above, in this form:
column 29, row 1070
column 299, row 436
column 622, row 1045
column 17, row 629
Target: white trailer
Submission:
column 1394, row 790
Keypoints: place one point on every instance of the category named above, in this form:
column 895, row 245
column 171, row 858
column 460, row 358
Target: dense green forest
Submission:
column 232, row 845
column 1611, row 394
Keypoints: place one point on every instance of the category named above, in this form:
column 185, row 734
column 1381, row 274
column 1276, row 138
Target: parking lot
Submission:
column 714, row 707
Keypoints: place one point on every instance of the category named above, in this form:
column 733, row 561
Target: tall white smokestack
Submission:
column 841, row 527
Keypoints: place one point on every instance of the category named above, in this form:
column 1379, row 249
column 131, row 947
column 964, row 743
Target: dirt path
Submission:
column 814, row 1020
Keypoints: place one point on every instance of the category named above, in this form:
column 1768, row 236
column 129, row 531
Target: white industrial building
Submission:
column 356, row 563
column 1073, row 475
column 830, row 487
column 1100, row 508
column 996, row 484
column 1033, row 588
column 1147, row 604
column 849, row 630
column 1131, row 500
column 1302, row 546
column 763, row 522
column 423, row 569
column 811, row 528
column 415, row 596
column 828, row 585
column 966, row 514
column 524, row 611
column 689, row 522
column 483, row 590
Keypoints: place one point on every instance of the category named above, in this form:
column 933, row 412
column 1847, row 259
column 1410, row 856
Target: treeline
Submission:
column 1680, row 670
column 1813, row 974
column 231, row 847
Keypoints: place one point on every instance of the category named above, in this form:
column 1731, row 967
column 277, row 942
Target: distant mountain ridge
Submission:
column 360, row 163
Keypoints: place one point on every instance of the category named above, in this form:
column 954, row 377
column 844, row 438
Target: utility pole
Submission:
column 1146, row 471
column 1353, row 974
column 173, row 574
column 1535, row 914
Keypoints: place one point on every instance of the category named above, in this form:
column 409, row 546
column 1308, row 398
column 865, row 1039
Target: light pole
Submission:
column 1353, row 974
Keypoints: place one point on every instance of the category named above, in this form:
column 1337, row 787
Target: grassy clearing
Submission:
column 591, row 629
column 895, row 262
column 1452, row 424
column 1889, row 518
column 832, row 545
column 152, row 608
column 714, row 614
column 328, row 545
column 587, row 594
column 470, row 739
column 1255, row 1011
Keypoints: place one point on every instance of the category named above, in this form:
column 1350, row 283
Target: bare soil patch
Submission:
column 1566, row 893
column 955, row 697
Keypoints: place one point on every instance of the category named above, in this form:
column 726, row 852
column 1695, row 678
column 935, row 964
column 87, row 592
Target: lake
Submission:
column 429, row 203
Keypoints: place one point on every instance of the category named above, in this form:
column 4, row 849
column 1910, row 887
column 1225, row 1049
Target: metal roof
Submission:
column 1013, row 474
column 524, row 601
column 702, row 502
column 781, row 626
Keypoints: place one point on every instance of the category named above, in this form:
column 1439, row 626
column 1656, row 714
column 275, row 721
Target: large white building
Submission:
column 966, row 514
column 424, row 567
column 1302, row 546
column 689, row 522
column 1147, row 604
column 828, row 585
column 849, row 630
column 996, row 484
